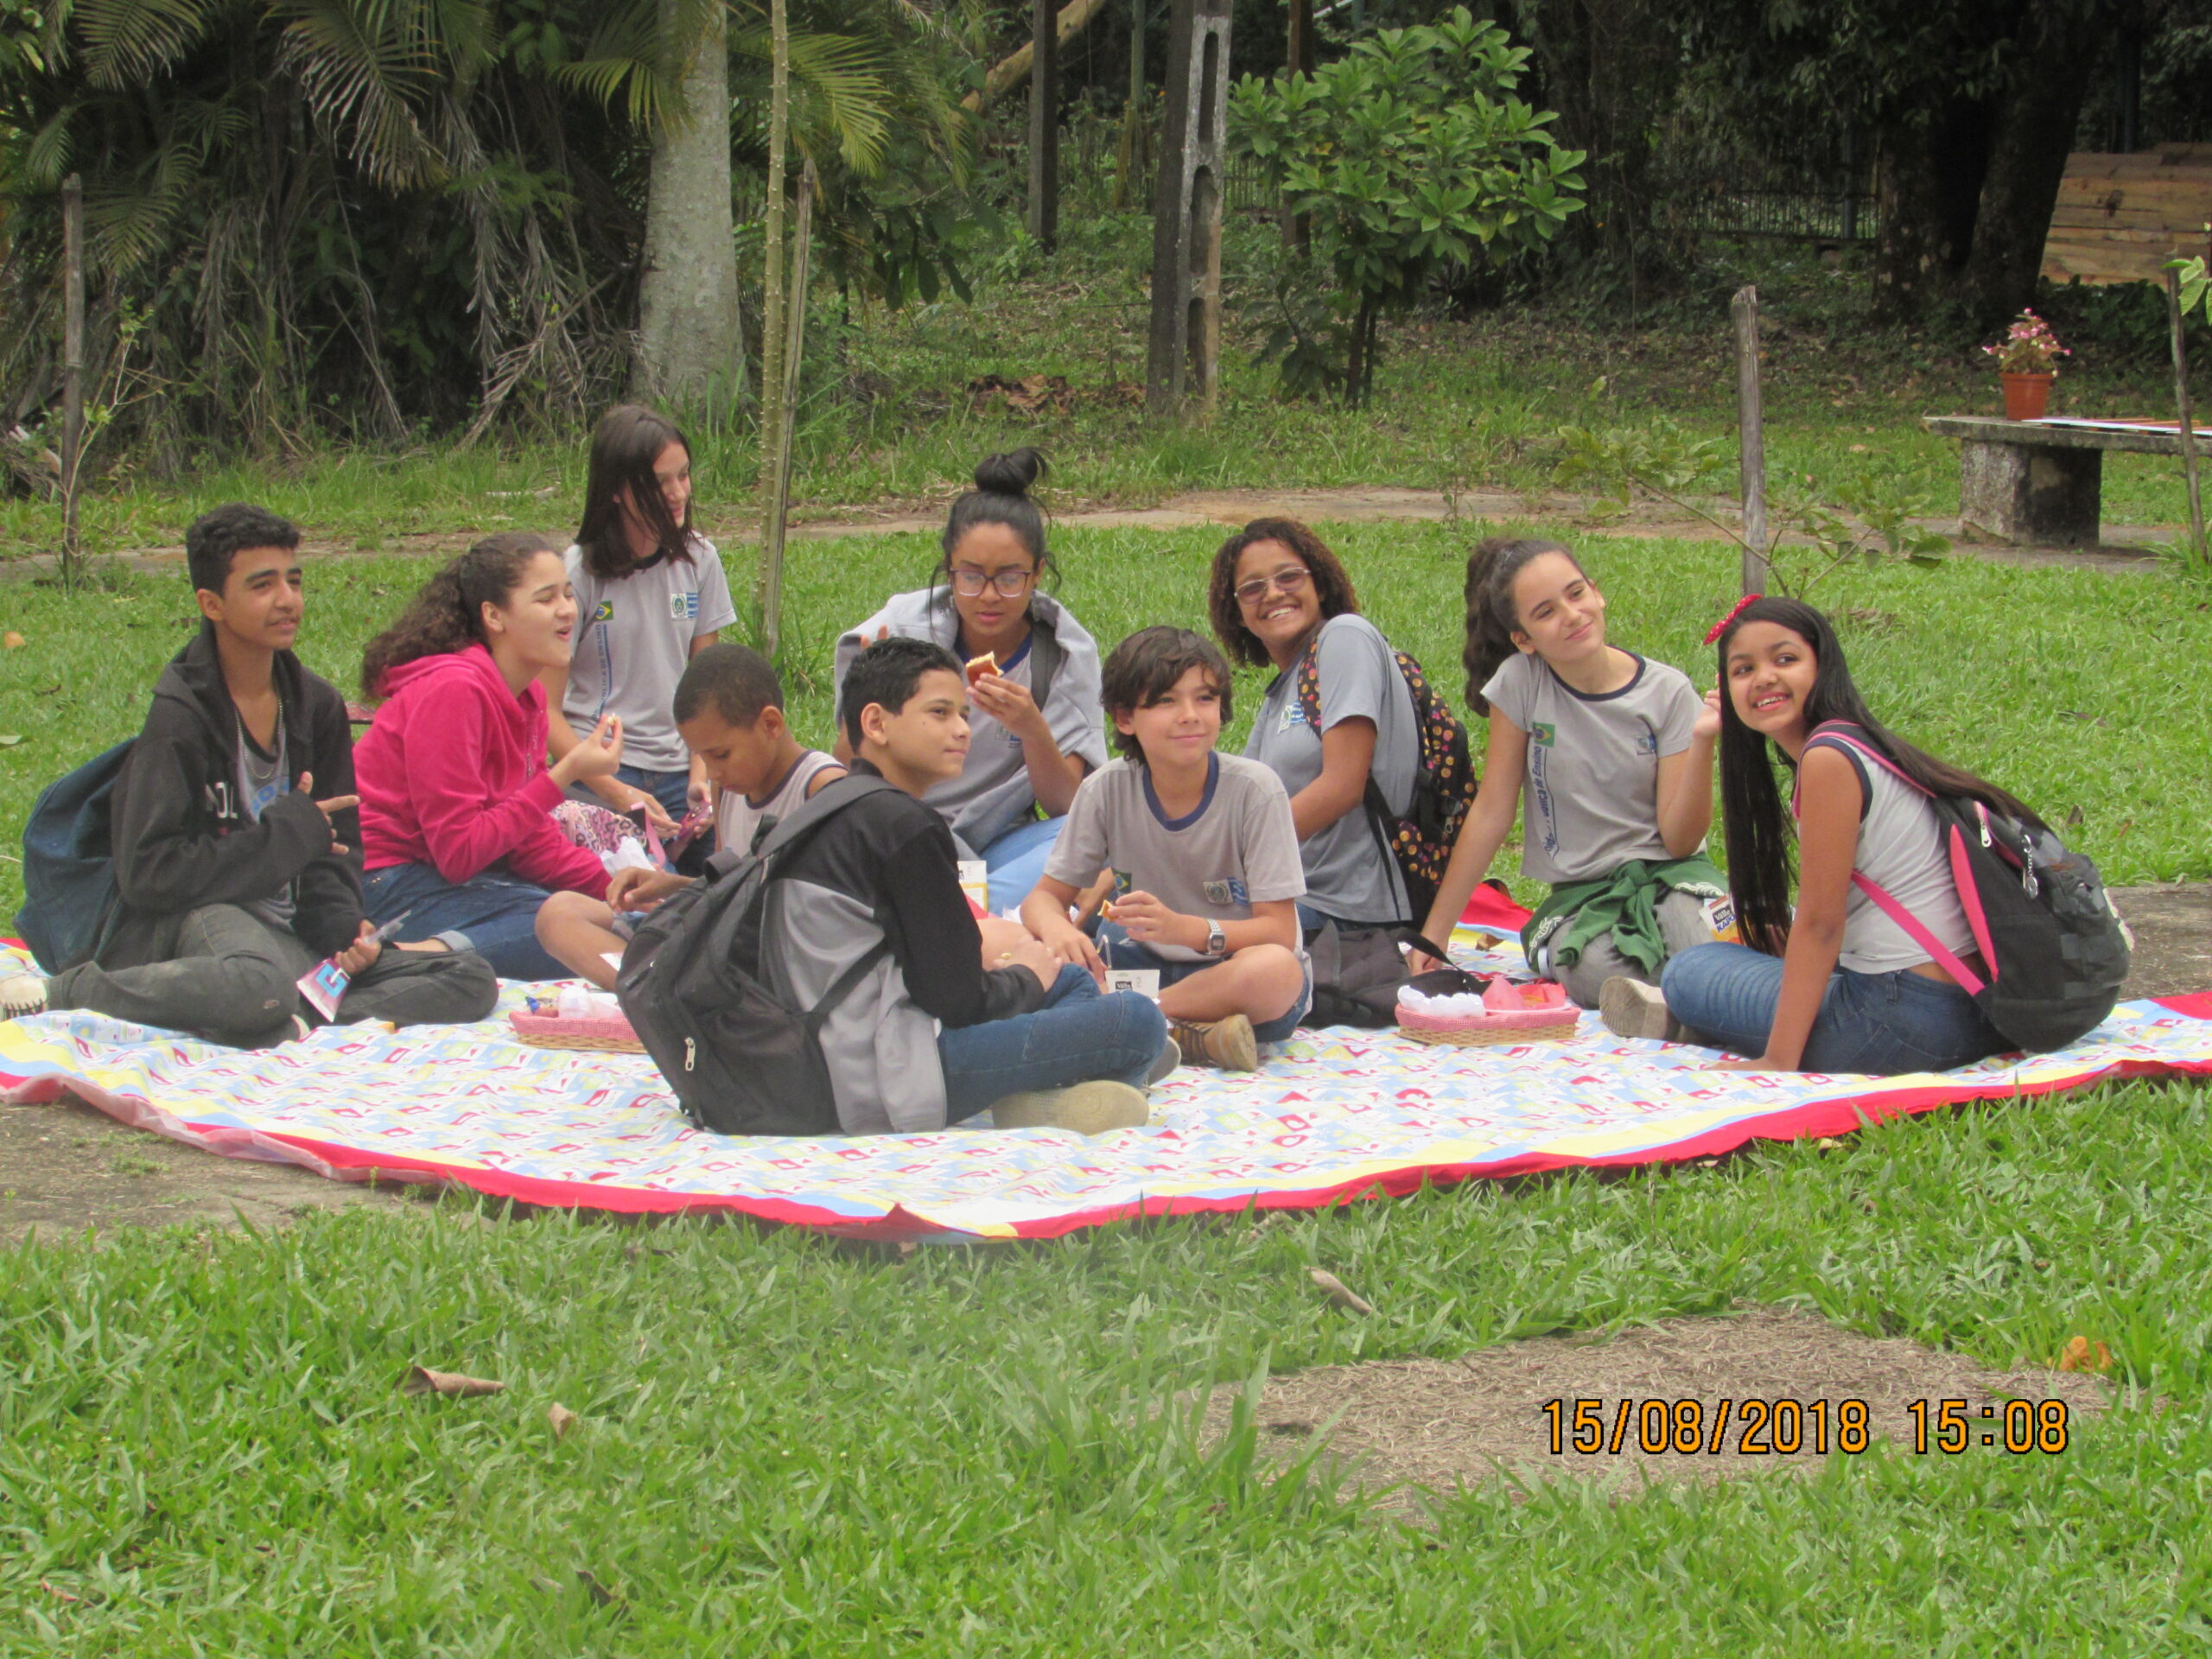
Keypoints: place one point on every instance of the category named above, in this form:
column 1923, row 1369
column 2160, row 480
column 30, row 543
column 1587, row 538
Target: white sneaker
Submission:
column 21, row 995
column 1086, row 1108
column 1631, row 1009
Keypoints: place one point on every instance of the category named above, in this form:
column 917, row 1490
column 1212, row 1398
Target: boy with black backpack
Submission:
column 853, row 932
column 234, row 835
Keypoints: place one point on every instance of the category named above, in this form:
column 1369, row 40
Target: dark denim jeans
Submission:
column 1880, row 1024
column 671, row 788
column 1078, row 1036
column 496, row 913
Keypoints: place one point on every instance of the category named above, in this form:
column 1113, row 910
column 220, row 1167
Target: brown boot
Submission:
column 1227, row 1044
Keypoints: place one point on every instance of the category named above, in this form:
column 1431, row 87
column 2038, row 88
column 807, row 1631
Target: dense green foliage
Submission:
column 1411, row 156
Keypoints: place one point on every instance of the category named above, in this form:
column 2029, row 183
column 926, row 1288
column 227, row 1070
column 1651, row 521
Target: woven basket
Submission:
column 612, row 1036
column 1492, row 1036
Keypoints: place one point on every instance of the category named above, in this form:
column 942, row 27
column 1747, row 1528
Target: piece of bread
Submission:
column 979, row 666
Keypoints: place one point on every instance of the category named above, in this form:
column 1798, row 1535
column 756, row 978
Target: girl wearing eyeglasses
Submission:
column 1032, row 677
column 1277, row 592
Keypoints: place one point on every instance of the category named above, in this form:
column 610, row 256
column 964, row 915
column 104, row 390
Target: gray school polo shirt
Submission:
column 1350, row 873
column 1236, row 849
column 1590, row 787
column 632, row 642
column 993, row 792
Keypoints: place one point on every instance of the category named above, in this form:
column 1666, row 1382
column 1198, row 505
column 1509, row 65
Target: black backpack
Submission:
column 70, row 903
column 1443, row 783
column 2055, row 949
column 739, row 1059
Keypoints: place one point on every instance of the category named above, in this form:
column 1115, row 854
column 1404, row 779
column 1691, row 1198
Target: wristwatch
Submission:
column 1217, row 941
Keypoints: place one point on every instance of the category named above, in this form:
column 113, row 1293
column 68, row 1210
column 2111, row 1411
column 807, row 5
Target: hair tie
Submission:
column 1734, row 611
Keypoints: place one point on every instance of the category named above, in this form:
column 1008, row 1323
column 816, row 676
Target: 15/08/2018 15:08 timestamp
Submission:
column 1785, row 1427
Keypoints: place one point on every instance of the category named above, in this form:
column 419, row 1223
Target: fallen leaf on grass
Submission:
column 9, row 740
column 13, row 640
column 1338, row 1293
column 57, row 1592
column 420, row 1379
column 2074, row 817
column 562, row 1418
column 2081, row 1355
column 600, row 1592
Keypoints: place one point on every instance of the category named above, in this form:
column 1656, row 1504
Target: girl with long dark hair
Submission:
column 1032, row 676
column 1836, row 985
column 1610, row 756
column 457, row 834
column 651, row 596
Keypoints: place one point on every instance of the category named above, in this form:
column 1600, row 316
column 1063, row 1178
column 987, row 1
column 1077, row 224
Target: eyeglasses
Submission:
column 1288, row 580
column 1009, row 581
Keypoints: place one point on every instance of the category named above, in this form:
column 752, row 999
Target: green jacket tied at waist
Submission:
column 1624, row 904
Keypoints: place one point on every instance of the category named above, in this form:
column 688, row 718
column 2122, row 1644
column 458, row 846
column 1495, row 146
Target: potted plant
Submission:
column 2027, row 362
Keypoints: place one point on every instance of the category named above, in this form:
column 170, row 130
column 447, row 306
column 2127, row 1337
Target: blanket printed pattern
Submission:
column 1335, row 1114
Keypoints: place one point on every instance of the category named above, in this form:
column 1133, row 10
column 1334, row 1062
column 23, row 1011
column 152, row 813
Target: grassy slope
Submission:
column 1465, row 401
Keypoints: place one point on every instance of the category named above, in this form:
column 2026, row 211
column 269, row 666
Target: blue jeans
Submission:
column 1880, row 1024
column 494, row 913
column 671, row 789
column 1078, row 1036
column 1120, row 950
column 1016, row 860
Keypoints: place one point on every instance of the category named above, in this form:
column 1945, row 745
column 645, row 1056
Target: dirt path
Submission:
column 67, row 1166
column 2126, row 547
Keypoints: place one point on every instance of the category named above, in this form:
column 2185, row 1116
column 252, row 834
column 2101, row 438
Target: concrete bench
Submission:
column 2040, row 485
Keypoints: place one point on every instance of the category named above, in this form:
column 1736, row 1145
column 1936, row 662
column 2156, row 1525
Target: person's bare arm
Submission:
column 1488, row 822
column 1045, row 913
column 1685, row 785
column 1347, row 756
column 1827, row 842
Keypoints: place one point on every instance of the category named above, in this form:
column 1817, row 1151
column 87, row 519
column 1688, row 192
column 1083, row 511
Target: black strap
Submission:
column 1046, row 656
column 844, row 985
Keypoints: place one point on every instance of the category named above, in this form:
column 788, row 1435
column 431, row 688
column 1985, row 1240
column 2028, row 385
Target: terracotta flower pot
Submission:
column 2027, row 395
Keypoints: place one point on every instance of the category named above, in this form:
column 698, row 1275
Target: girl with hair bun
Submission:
column 457, row 835
column 1032, row 677
column 1610, row 756
column 1836, row 985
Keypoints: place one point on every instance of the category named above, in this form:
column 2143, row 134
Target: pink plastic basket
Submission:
column 1511, row 1013
column 599, row 1031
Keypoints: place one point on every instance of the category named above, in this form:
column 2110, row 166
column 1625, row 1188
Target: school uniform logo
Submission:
column 604, row 611
column 1544, row 732
column 1647, row 743
column 1230, row 892
column 1293, row 713
column 684, row 607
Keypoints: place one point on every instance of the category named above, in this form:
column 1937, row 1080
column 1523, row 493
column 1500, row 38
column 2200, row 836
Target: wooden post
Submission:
column 1298, row 59
column 786, row 394
column 768, row 585
column 1183, row 354
column 2197, row 552
column 1134, row 156
column 1744, row 308
column 1045, row 123
column 72, row 368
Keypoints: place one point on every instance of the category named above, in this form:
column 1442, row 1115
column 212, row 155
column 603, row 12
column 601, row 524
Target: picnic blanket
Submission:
column 1333, row 1116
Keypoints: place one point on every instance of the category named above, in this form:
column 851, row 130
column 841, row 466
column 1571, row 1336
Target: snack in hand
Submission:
column 979, row 666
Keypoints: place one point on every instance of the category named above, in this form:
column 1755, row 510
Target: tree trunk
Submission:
column 1605, row 65
column 2034, row 132
column 1929, row 177
column 691, row 339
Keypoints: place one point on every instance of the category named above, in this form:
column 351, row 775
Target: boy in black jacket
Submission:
column 1033, row 1040
column 234, row 833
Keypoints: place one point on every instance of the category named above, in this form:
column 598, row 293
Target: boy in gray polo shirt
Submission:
column 1206, row 875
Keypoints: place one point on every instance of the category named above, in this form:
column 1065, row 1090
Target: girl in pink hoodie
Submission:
column 456, row 799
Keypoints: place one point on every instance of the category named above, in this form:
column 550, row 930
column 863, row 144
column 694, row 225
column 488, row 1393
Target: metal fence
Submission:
column 1822, row 194
column 1814, row 194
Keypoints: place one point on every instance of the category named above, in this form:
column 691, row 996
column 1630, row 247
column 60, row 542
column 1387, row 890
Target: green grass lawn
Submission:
column 2077, row 689
column 792, row 1446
